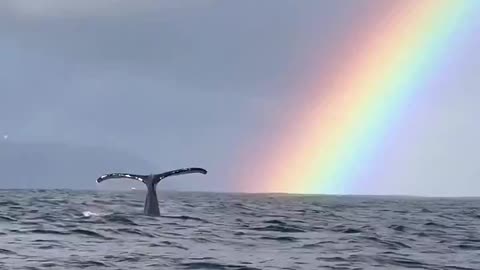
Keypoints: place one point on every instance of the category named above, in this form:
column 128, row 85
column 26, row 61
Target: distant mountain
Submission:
column 50, row 165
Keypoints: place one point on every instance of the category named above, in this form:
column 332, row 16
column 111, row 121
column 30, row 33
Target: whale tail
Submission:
column 151, row 202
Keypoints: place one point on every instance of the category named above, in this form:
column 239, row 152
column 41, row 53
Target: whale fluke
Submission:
column 151, row 202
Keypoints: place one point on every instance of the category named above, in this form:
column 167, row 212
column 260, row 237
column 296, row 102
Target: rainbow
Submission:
column 346, row 115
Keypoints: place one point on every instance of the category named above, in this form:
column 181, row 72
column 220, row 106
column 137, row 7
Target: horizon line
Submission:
column 253, row 193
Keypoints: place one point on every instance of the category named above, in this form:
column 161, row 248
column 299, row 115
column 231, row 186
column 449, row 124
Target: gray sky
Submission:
column 190, row 83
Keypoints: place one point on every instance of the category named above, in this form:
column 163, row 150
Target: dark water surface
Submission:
column 106, row 230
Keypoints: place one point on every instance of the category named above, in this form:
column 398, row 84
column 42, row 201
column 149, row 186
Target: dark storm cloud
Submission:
column 175, row 84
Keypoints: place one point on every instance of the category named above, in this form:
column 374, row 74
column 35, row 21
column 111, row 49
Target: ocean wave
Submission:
column 109, row 231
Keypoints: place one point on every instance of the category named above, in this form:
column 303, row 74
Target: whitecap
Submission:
column 89, row 214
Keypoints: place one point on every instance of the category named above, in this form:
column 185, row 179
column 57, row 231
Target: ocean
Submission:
column 62, row 229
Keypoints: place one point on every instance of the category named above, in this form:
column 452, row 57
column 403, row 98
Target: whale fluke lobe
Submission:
column 121, row 175
column 161, row 176
column 151, row 202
